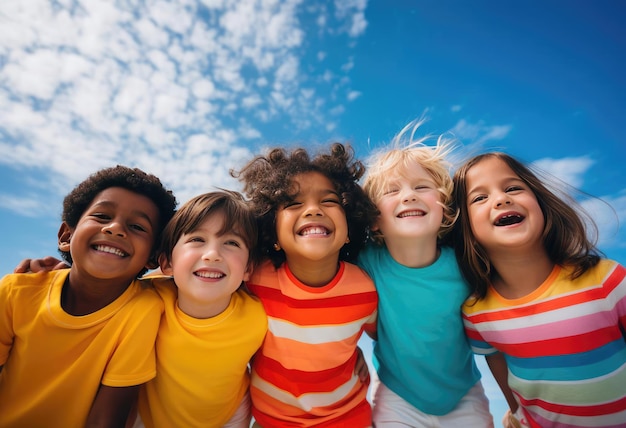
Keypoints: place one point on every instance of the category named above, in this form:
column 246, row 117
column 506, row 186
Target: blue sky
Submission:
column 189, row 89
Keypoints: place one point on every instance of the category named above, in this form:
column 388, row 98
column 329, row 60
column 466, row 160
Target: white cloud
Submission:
column 353, row 95
column 176, row 87
column 568, row 170
column 608, row 213
column 478, row 134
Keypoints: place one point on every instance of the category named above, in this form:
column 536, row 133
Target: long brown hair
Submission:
column 564, row 236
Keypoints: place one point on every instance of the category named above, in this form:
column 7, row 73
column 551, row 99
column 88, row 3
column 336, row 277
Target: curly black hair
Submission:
column 268, row 183
column 133, row 179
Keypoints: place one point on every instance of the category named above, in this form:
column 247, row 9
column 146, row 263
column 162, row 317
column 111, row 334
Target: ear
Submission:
column 248, row 272
column 64, row 237
column 152, row 263
column 375, row 227
column 166, row 265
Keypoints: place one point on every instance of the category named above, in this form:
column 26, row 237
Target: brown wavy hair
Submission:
column 564, row 235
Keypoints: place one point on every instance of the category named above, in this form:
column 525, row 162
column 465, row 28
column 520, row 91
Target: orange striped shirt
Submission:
column 303, row 375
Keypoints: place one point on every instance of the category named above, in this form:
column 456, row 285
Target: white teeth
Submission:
column 411, row 214
column 110, row 250
column 213, row 275
column 314, row 231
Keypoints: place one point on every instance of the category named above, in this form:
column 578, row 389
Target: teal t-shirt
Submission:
column 422, row 353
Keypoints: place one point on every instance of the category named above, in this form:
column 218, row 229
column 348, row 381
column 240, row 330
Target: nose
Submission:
column 114, row 228
column 313, row 209
column 211, row 253
column 408, row 194
column 502, row 199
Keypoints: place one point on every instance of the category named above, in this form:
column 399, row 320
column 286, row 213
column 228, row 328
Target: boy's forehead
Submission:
column 122, row 198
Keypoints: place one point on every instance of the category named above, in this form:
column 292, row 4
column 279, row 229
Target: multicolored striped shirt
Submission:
column 565, row 346
column 303, row 375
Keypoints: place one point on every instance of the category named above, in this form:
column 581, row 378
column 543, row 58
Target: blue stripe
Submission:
column 587, row 365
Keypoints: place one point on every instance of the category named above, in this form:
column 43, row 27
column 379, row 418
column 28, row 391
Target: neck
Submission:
column 202, row 310
column 414, row 253
column 314, row 273
column 518, row 275
column 83, row 298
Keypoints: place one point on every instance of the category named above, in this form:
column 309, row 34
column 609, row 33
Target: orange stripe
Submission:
column 584, row 295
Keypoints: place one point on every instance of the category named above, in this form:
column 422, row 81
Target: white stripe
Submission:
column 308, row 401
column 315, row 335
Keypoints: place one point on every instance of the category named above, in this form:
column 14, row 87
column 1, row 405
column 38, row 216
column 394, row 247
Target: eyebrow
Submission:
column 112, row 204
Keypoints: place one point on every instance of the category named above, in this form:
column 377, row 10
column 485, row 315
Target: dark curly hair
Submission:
column 133, row 179
column 268, row 183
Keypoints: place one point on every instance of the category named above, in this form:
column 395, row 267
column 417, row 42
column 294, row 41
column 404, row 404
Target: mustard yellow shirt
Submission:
column 54, row 362
column 202, row 364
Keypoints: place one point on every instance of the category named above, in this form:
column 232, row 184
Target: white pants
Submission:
column 392, row 411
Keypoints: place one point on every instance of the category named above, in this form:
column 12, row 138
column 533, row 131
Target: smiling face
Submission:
column 410, row 207
column 208, row 267
column 503, row 210
column 312, row 227
column 113, row 239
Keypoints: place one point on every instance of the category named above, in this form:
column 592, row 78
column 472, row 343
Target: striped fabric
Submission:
column 304, row 372
column 565, row 345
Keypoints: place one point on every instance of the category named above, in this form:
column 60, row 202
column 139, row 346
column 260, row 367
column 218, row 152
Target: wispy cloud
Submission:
column 179, row 88
column 478, row 134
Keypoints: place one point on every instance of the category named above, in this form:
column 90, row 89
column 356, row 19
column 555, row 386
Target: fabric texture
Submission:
column 565, row 346
column 422, row 353
column 54, row 362
column 303, row 375
column 202, row 364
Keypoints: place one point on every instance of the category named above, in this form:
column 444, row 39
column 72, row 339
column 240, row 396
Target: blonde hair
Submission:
column 402, row 155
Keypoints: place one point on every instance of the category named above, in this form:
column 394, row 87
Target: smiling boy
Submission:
column 75, row 344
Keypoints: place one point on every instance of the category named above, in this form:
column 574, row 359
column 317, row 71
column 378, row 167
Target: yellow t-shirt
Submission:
column 202, row 364
column 54, row 362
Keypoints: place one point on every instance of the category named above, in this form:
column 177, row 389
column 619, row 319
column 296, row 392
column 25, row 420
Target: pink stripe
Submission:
column 551, row 330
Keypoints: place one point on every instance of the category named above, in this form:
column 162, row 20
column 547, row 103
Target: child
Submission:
column 423, row 359
column 75, row 344
column 313, row 219
column 544, row 298
column 211, row 327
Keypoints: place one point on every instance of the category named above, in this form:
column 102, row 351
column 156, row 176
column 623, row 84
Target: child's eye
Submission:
column 195, row 239
column 514, row 188
column 422, row 187
column 478, row 199
column 291, row 204
column 138, row 227
column 234, row 243
column 390, row 191
column 331, row 201
column 101, row 216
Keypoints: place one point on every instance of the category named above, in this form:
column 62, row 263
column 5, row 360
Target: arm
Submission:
column 40, row 265
column 360, row 368
column 500, row 372
column 112, row 406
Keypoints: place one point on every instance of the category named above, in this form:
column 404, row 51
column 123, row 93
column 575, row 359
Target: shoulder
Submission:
column 37, row 283
column 355, row 275
column 145, row 294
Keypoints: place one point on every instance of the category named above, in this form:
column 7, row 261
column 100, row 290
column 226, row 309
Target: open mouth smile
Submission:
column 412, row 213
column 509, row 219
column 110, row 250
column 314, row 230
